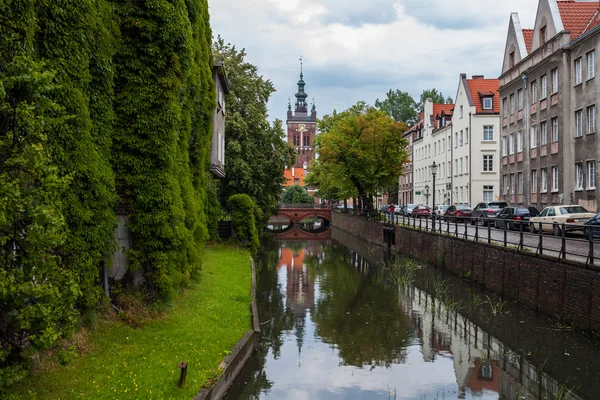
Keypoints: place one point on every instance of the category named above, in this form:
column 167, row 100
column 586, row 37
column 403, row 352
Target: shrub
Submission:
column 243, row 221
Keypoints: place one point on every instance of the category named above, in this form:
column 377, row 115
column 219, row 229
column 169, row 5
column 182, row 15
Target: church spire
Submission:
column 301, row 96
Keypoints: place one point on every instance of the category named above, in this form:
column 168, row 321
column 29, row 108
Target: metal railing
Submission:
column 285, row 206
column 561, row 240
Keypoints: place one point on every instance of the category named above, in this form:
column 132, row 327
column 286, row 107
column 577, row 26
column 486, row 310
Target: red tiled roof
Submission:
column 577, row 16
column 484, row 86
column 528, row 35
column 438, row 108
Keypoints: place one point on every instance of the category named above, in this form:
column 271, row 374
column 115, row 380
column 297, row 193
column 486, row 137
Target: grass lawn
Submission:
column 201, row 327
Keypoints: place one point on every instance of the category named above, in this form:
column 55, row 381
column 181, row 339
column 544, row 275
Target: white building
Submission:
column 475, row 141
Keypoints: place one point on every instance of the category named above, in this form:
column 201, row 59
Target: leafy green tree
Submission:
column 361, row 146
column 433, row 94
column 296, row 194
column 399, row 105
column 256, row 150
column 243, row 221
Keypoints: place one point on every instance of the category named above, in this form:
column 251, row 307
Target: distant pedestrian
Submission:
column 392, row 210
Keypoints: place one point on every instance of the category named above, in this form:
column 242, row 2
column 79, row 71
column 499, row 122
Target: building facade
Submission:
column 405, row 182
column 549, row 93
column 217, row 149
column 301, row 132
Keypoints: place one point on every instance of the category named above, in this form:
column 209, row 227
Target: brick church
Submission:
column 301, row 131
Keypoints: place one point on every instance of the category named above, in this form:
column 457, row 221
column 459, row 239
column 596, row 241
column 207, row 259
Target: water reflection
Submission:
column 333, row 327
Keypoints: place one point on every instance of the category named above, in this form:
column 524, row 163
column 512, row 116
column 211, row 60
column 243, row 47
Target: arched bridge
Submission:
column 297, row 233
column 298, row 212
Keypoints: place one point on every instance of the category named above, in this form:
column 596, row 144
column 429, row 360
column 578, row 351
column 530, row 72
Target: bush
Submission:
column 243, row 221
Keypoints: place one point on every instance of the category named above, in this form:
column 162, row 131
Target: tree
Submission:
column 399, row 105
column 363, row 147
column 433, row 94
column 296, row 195
column 449, row 100
column 256, row 150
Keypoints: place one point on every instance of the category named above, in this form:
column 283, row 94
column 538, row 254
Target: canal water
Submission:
column 341, row 320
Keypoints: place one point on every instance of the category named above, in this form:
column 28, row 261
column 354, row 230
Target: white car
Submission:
column 440, row 209
column 553, row 217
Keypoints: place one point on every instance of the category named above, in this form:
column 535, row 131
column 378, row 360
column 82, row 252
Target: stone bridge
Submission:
column 297, row 212
column 297, row 233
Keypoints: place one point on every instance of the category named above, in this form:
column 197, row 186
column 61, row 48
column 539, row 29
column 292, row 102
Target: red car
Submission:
column 421, row 211
column 458, row 213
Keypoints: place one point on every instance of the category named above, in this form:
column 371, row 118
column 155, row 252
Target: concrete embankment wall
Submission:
column 566, row 289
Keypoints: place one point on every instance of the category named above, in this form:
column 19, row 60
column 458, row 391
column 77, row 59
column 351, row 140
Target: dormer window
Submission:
column 542, row 35
column 443, row 121
column 488, row 103
column 511, row 59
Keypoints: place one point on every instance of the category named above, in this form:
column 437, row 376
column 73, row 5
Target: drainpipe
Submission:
column 470, row 162
column 526, row 145
column 451, row 144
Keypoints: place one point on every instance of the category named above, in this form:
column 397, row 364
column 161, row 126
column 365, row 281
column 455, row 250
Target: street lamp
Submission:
column 433, row 172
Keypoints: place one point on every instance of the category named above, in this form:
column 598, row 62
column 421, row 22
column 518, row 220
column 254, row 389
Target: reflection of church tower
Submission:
column 301, row 131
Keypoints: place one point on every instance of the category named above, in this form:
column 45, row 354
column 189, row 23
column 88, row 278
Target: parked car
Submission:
column 514, row 216
column 591, row 227
column 553, row 217
column 458, row 213
column 384, row 208
column 486, row 212
column 421, row 211
column 407, row 209
column 440, row 209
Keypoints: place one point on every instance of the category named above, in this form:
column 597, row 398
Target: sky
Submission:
column 357, row 50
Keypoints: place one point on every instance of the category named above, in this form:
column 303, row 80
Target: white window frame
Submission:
column 591, row 62
column 511, row 144
column 488, row 103
column 578, row 176
column 506, row 184
column 520, row 183
column 554, row 74
column 533, row 136
column 466, row 165
column 543, row 133
column 534, row 93
column 512, row 103
column 555, row 179
column 512, row 184
column 489, row 131
column 520, row 98
column 554, row 122
column 544, row 180
column 591, row 115
column 544, row 87
column 504, row 146
column 578, row 74
column 488, row 193
column 579, row 123
column 519, row 141
column 534, row 181
column 488, row 163
column 591, row 172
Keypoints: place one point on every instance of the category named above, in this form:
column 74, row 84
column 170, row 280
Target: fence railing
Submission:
column 284, row 206
column 561, row 240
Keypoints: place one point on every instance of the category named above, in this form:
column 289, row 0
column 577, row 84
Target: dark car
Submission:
column 421, row 211
column 486, row 212
column 515, row 216
column 591, row 228
column 458, row 213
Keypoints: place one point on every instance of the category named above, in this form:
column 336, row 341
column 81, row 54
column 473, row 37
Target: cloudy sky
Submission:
column 359, row 49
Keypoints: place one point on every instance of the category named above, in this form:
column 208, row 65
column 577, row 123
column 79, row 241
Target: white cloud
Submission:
column 357, row 50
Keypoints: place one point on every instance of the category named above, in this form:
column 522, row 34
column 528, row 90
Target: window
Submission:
column 591, row 170
column 544, row 87
column 519, row 141
column 488, row 194
column 555, row 80
column 504, row 107
column 591, row 114
column 555, row 179
column 296, row 180
column 296, row 140
column 554, row 129
column 455, row 139
column 544, row 180
column 456, row 167
column 512, row 183
column 534, row 93
column 520, row 182
column 591, row 63
column 488, row 132
column 578, row 77
column 461, row 111
column 511, row 59
column 488, row 163
column 488, row 103
column 307, row 140
column 505, row 181
column 544, row 133
column 542, row 35
column 467, row 165
column 533, row 137
column 579, row 123
column 504, row 147
column 520, row 98
column 512, row 103
column 444, row 144
column 449, row 169
column 461, row 138
column 534, row 181
column 466, row 135
column 461, row 166
column 511, row 144
column 578, row 176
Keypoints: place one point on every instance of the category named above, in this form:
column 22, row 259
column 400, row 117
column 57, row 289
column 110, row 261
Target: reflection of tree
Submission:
column 360, row 317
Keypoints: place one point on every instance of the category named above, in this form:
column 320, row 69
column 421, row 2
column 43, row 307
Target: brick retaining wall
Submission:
column 565, row 289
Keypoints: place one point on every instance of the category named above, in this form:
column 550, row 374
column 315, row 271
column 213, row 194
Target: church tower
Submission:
column 301, row 128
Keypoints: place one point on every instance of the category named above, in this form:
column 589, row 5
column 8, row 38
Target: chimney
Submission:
column 478, row 76
column 463, row 76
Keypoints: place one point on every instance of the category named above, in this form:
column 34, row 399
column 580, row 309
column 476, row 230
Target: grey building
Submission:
column 549, row 147
column 217, row 151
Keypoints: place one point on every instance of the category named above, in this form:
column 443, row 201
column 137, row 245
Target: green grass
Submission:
column 200, row 327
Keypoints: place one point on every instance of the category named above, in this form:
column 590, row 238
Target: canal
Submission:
column 341, row 320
